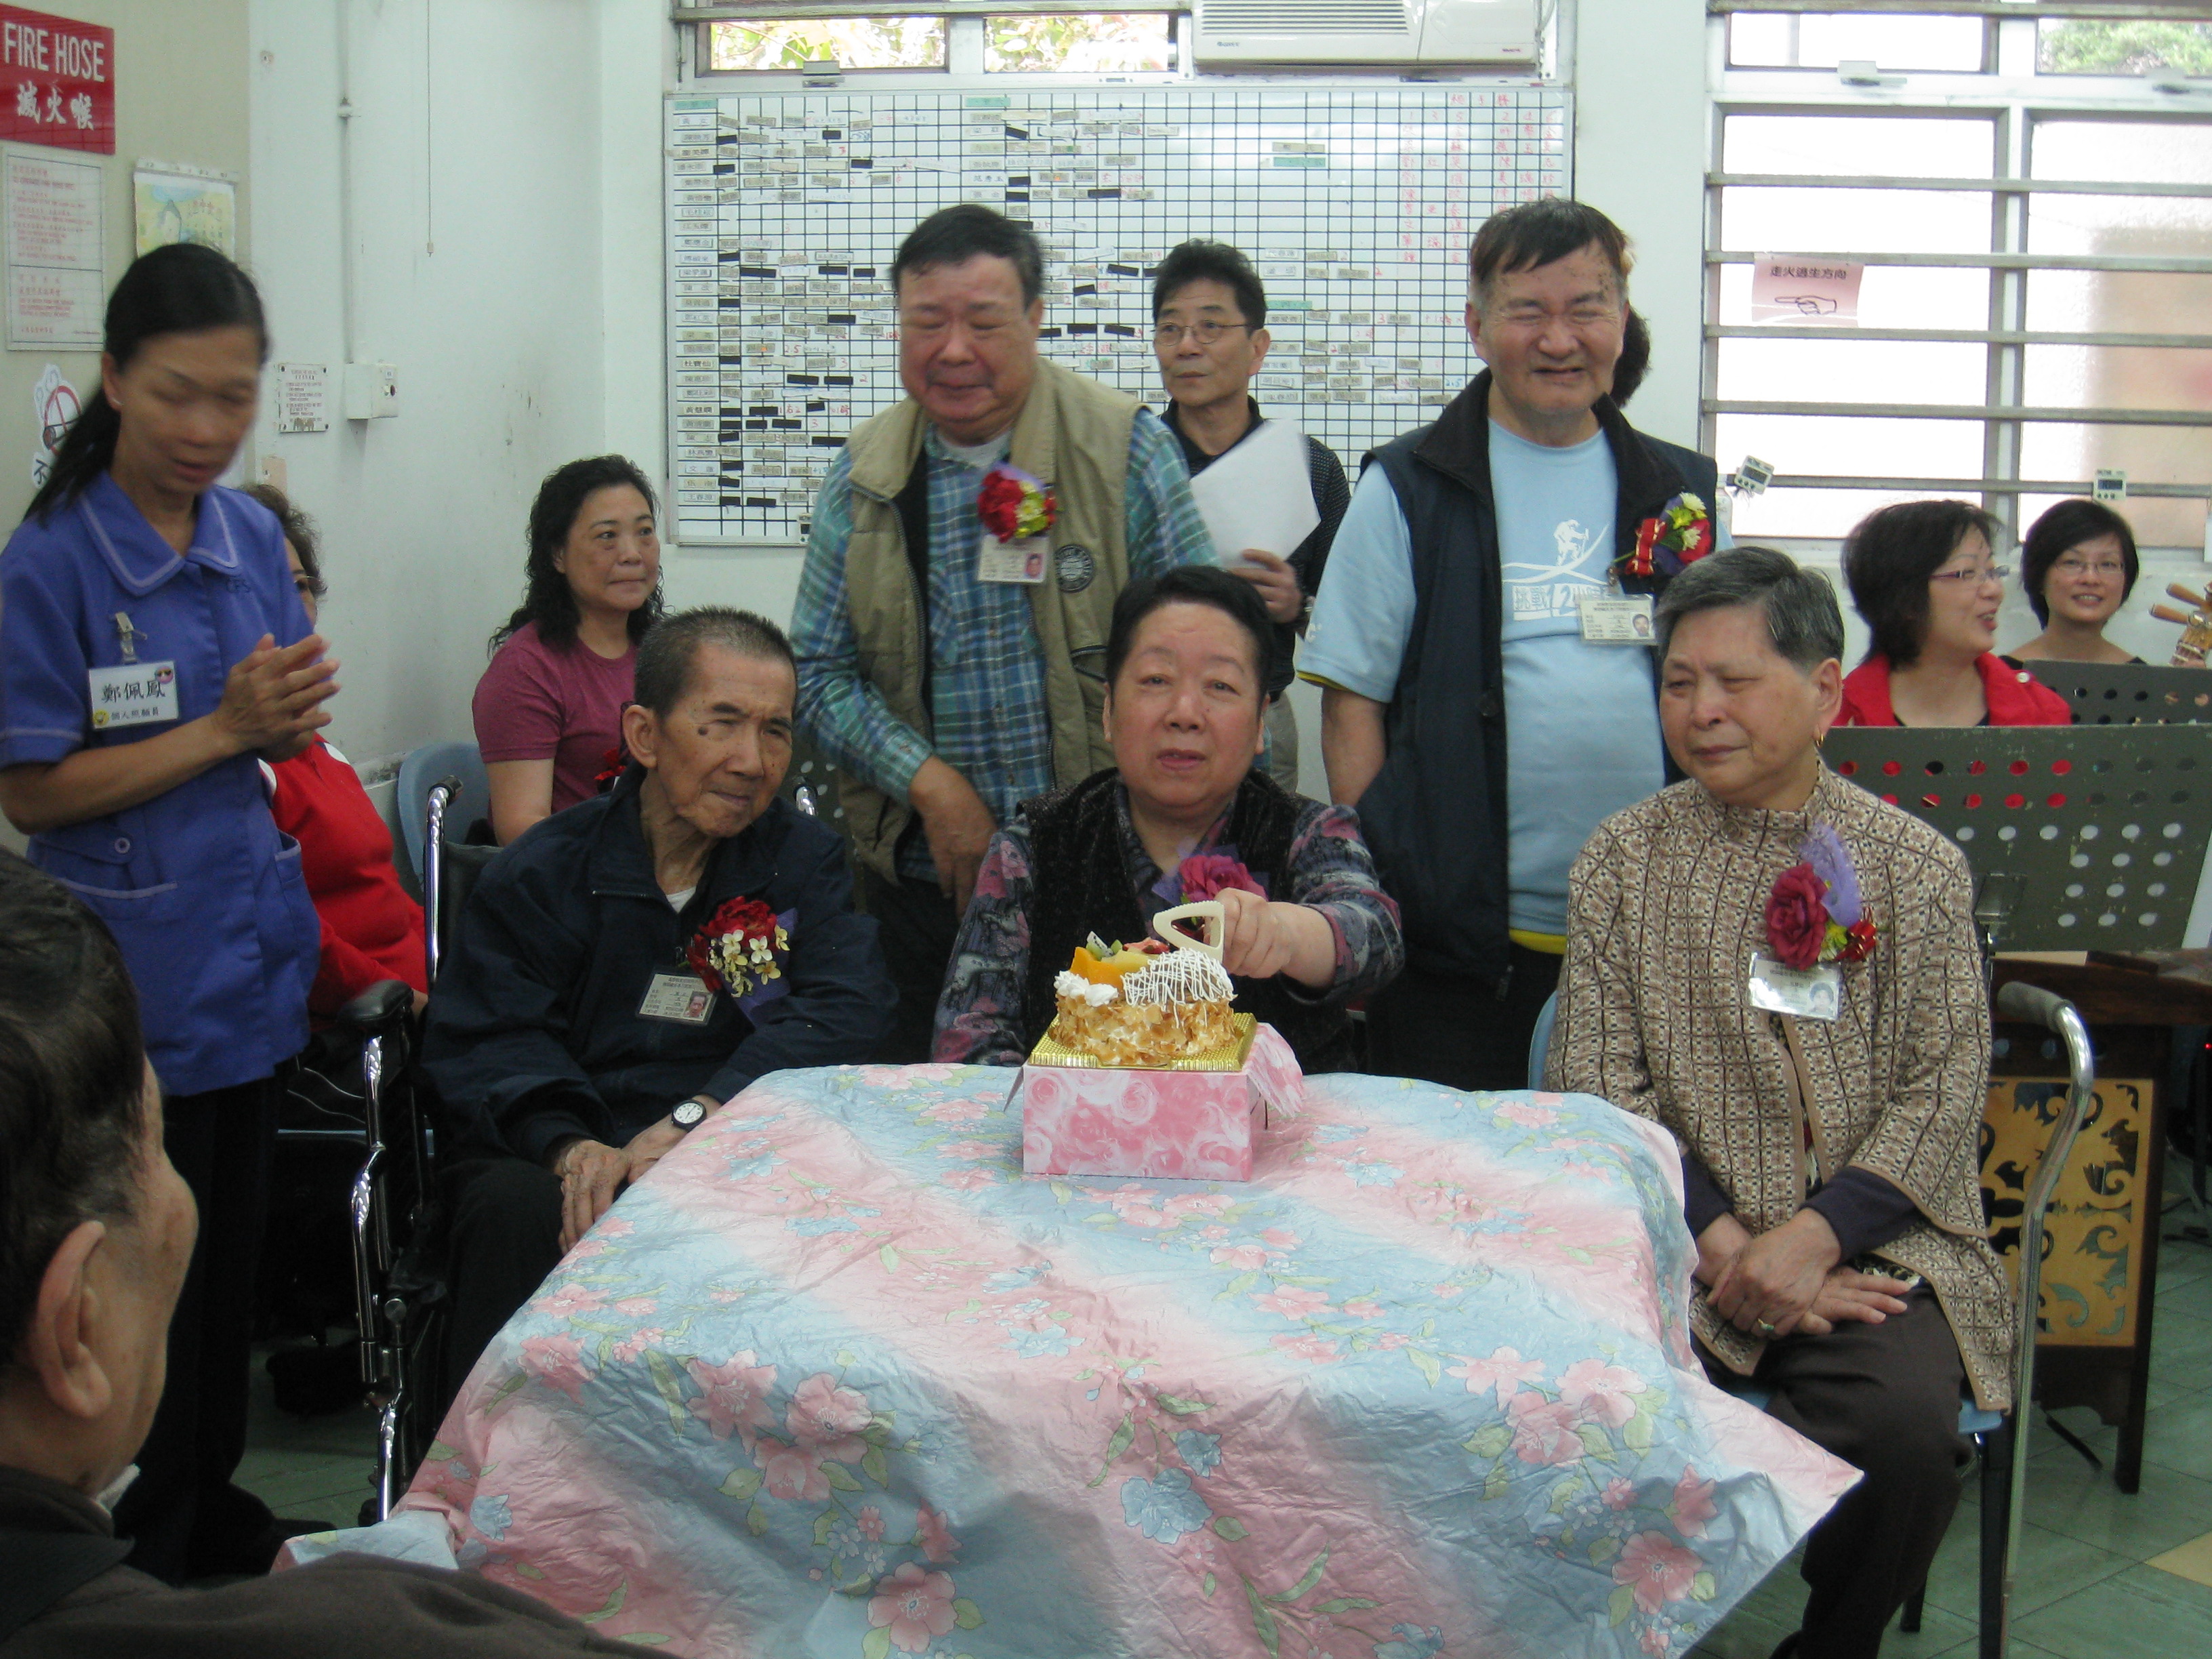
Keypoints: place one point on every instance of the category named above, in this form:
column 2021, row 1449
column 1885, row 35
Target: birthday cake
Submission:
column 1143, row 1005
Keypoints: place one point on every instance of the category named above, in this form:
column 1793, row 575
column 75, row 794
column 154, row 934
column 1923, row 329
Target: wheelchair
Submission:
column 397, row 1242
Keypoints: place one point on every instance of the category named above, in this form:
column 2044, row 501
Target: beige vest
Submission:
column 1071, row 433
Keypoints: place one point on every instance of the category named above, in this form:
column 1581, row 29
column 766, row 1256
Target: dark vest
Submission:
column 1435, row 816
column 1080, row 885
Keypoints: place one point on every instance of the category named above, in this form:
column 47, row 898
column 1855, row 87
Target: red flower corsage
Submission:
column 1682, row 534
column 1815, row 914
column 612, row 765
column 1207, row 875
column 1013, row 505
column 739, row 947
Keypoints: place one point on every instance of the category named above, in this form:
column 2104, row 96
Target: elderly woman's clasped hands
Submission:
column 1789, row 1279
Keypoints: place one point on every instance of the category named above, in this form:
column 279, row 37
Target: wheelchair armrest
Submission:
column 384, row 1004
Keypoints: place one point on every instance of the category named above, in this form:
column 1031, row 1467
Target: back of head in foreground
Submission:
column 96, row 1227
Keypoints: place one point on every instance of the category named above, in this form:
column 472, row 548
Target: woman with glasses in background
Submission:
column 1924, row 576
column 2078, row 565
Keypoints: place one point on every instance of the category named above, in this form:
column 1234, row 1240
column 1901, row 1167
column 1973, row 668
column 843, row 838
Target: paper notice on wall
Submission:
column 1259, row 495
column 303, row 397
column 1788, row 288
column 56, row 266
column 183, row 204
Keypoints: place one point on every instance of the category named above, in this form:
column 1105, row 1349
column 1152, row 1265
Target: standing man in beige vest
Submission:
column 961, row 572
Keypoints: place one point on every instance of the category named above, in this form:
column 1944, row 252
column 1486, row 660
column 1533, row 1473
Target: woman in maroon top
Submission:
column 548, row 709
column 1924, row 576
column 371, row 931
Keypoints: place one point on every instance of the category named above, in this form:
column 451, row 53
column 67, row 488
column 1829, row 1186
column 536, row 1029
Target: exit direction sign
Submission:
column 57, row 81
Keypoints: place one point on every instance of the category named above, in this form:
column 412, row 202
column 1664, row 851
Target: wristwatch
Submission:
column 687, row 1116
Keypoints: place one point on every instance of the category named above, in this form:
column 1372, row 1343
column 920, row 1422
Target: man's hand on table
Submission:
column 1775, row 1278
column 592, row 1175
column 956, row 825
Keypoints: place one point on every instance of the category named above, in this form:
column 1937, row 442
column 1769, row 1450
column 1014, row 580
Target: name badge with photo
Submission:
column 133, row 694
column 677, row 997
column 1617, row 618
column 1020, row 561
column 1803, row 993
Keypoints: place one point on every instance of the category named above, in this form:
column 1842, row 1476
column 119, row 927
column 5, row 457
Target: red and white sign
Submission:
column 57, row 81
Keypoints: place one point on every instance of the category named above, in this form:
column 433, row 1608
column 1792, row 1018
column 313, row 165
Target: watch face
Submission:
column 690, row 1115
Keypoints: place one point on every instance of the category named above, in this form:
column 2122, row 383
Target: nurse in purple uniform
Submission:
column 152, row 655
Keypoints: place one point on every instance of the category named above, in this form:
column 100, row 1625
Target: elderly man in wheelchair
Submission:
column 1782, row 971
column 629, row 965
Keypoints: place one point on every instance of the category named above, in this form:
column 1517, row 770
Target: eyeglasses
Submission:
column 2101, row 567
column 1206, row 333
column 1974, row 575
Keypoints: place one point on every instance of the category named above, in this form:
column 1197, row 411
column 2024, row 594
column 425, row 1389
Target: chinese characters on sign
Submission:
column 1791, row 289
column 57, row 270
column 57, row 81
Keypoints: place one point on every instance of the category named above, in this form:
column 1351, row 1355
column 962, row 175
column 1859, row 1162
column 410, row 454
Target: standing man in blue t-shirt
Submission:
column 1487, row 695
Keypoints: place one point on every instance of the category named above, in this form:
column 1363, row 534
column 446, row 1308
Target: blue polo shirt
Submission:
column 200, row 888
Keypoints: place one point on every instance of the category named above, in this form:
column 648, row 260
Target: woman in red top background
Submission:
column 371, row 931
column 1924, row 576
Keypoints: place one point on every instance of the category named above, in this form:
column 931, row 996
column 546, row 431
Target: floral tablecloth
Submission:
column 836, row 1379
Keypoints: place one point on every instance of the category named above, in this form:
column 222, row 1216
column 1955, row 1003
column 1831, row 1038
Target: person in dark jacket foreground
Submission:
column 96, row 1228
column 630, row 964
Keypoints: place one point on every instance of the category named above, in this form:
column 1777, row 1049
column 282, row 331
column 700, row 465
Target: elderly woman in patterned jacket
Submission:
column 1181, row 816
column 1782, row 970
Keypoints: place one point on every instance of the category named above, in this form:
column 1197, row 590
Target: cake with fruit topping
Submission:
column 1143, row 1005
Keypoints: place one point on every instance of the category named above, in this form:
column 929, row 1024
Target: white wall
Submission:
column 497, row 225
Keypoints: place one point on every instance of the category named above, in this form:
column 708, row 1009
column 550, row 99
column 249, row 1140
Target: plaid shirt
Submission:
column 987, row 666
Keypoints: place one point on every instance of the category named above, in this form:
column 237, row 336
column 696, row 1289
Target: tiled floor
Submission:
column 2083, row 1589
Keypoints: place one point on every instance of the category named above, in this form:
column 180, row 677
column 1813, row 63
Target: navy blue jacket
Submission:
column 533, row 1033
column 1435, row 816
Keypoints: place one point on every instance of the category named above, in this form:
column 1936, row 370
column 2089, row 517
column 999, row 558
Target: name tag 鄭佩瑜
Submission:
column 132, row 694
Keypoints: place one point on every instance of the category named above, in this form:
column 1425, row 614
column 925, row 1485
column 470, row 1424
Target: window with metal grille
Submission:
column 2028, row 188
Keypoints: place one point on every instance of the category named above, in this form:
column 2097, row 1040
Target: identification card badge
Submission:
column 1610, row 618
column 132, row 694
column 1805, row 993
column 677, row 997
column 1021, row 561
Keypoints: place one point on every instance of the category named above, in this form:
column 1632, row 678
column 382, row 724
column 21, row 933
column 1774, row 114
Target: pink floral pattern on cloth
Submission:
column 836, row 1378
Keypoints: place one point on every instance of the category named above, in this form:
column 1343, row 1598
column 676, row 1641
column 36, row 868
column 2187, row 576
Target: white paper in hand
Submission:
column 1259, row 495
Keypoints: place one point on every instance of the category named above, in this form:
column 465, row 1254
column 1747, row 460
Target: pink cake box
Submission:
column 1176, row 1126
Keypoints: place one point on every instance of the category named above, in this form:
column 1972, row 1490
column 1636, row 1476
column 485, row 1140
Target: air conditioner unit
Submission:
column 1232, row 33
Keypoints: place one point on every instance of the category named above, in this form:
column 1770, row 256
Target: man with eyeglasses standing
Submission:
column 1209, row 332
column 961, row 571
column 1487, row 695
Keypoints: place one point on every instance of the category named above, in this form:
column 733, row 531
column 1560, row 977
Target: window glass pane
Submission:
column 1852, row 447
column 2053, row 452
column 1778, row 41
column 854, row 42
column 1760, row 219
column 1818, row 512
column 1091, row 43
column 2119, row 301
column 2119, row 377
column 1890, row 296
column 2131, row 152
column 1903, row 147
column 2076, row 45
column 1852, row 371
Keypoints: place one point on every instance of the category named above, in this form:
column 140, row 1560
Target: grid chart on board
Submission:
column 1356, row 205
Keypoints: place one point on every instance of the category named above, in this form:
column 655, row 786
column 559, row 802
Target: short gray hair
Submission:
column 1803, row 620
column 670, row 646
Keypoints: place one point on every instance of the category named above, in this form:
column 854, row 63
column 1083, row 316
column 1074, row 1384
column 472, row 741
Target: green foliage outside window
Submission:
column 2084, row 47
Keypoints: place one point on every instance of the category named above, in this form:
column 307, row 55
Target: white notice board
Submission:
column 56, row 256
column 1357, row 204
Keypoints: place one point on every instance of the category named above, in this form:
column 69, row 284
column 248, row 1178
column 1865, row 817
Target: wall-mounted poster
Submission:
column 56, row 266
column 183, row 205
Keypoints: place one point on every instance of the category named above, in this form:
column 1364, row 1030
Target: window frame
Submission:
column 2013, row 102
